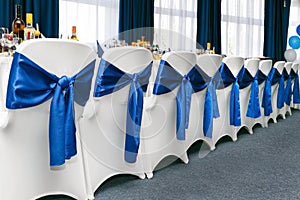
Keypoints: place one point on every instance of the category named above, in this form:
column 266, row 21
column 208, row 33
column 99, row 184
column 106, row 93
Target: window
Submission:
column 242, row 27
column 95, row 19
column 175, row 23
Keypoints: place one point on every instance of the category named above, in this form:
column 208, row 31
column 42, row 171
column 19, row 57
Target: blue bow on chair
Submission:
column 296, row 95
column 281, row 89
column 246, row 79
column 110, row 79
column 195, row 80
column 267, row 94
column 227, row 78
column 288, row 88
column 30, row 85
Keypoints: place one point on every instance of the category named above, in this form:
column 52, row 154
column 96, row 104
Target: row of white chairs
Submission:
column 105, row 143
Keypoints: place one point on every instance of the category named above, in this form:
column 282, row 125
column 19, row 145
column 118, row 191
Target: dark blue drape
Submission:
column 45, row 12
column 138, row 15
column 209, row 24
column 275, row 28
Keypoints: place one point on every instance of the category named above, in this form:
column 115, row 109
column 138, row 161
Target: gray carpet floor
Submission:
column 265, row 165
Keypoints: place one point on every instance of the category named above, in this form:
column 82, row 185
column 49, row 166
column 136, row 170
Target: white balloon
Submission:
column 290, row 55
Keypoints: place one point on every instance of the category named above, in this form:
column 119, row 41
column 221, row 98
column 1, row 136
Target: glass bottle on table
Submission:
column 208, row 50
column 18, row 24
column 29, row 30
column 74, row 35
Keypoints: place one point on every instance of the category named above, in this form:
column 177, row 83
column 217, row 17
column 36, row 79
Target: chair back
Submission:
column 295, row 67
column 60, row 57
column 265, row 66
column 252, row 65
column 128, row 59
column 288, row 67
column 279, row 65
column 234, row 63
column 182, row 61
column 209, row 63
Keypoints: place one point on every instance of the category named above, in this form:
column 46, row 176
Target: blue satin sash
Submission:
column 272, row 78
column 253, row 109
column 296, row 95
column 110, row 79
column 30, row 85
column 100, row 51
column 195, row 80
column 288, row 88
column 227, row 79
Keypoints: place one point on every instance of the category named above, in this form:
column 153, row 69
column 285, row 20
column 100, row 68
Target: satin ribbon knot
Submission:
column 64, row 82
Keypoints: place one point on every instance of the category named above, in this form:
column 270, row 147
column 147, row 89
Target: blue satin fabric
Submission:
column 110, row 79
column 195, row 80
column 100, row 51
column 30, row 85
column 267, row 94
column 227, row 78
column 296, row 95
column 288, row 88
column 246, row 79
column 281, row 90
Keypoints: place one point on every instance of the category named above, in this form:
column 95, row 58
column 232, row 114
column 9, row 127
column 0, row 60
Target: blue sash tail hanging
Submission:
column 281, row 91
column 30, row 85
column 288, row 88
column 228, row 79
column 246, row 79
column 195, row 80
column 267, row 93
column 110, row 79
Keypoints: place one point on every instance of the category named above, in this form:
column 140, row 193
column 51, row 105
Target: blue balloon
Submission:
column 294, row 42
column 298, row 29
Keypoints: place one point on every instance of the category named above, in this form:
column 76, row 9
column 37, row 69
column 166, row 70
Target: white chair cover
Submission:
column 222, row 124
column 159, row 124
column 265, row 67
column 103, row 125
column 209, row 64
column 279, row 65
column 24, row 153
column 252, row 66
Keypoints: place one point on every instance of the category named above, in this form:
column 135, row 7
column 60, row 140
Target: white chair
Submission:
column 251, row 65
column 223, row 124
column 295, row 103
column 209, row 64
column 278, row 66
column 265, row 67
column 159, row 126
column 24, row 145
column 103, row 126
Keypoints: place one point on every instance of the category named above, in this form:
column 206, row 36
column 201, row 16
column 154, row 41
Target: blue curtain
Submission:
column 209, row 24
column 45, row 13
column 137, row 15
column 276, row 28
